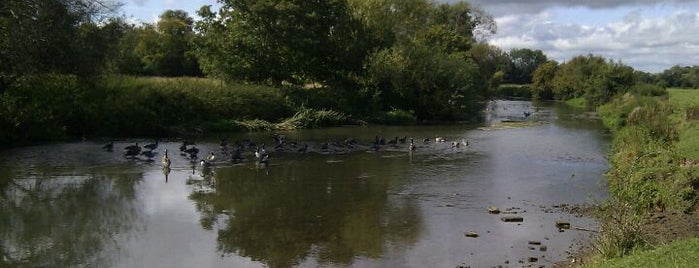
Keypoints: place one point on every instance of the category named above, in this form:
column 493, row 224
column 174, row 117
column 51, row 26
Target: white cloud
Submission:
column 140, row 3
column 646, row 43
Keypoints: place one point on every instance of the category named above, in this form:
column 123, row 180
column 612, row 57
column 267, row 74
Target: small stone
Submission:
column 532, row 259
column 562, row 224
column 512, row 219
column 471, row 234
column 542, row 248
column 535, row 242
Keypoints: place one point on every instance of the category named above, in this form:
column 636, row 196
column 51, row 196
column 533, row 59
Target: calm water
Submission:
column 75, row 205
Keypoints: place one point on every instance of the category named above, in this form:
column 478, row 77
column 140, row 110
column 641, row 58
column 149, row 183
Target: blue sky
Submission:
column 649, row 35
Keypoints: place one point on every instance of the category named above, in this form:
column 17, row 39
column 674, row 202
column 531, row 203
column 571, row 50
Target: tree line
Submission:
column 373, row 59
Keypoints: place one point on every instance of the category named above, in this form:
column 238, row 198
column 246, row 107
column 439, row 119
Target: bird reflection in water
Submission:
column 166, row 172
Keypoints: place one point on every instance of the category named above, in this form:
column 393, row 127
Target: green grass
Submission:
column 579, row 102
column 683, row 100
column 680, row 254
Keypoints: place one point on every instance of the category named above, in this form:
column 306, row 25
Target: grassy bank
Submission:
column 653, row 171
column 59, row 107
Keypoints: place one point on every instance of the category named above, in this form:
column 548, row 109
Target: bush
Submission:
column 310, row 118
column 621, row 230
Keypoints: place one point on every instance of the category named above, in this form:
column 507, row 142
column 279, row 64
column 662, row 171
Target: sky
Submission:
column 649, row 35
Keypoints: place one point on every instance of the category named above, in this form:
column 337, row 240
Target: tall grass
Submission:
column 622, row 230
column 54, row 107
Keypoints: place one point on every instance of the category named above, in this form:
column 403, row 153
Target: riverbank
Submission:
column 652, row 181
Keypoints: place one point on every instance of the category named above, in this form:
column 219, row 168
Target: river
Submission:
column 76, row 205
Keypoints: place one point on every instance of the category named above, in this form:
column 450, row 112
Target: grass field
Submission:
column 683, row 100
column 680, row 254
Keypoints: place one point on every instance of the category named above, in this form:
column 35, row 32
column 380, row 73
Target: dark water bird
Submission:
column 166, row 162
column 303, row 149
column 324, row 146
column 411, row 147
column 382, row 141
column 132, row 152
column 393, row 141
column 527, row 113
column 455, row 144
column 192, row 151
column 402, row 140
column 151, row 146
column 264, row 159
column 237, row 154
column 223, row 144
column 133, row 147
column 205, row 164
column 109, row 146
column 148, row 154
column 426, row 140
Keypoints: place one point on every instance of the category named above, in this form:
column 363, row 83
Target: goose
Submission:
column 412, row 145
column 133, row 147
column 165, row 160
column 455, row 144
column 237, row 154
column 133, row 152
column 324, row 146
column 211, row 157
column 426, row 140
column 303, row 149
column 109, row 146
column 192, row 151
column 204, row 163
column 259, row 153
column 151, row 146
column 223, row 143
column 148, row 154
column 440, row 139
column 402, row 140
column 527, row 113
column 393, row 141
column 264, row 159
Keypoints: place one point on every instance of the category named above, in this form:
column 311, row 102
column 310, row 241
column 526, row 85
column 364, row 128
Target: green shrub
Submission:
column 397, row 117
column 310, row 118
column 621, row 230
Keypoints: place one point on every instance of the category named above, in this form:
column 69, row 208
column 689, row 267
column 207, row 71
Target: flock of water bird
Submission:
column 247, row 148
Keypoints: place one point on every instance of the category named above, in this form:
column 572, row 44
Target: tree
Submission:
column 542, row 80
column 522, row 63
column 39, row 36
column 592, row 77
column 275, row 41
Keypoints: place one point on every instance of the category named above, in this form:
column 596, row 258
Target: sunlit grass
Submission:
column 679, row 254
column 683, row 100
column 577, row 102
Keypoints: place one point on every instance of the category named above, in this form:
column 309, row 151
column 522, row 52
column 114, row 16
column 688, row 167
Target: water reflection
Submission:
column 283, row 214
column 75, row 204
column 63, row 219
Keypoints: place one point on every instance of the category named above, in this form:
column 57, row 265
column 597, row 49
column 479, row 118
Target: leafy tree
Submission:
column 592, row 77
column 521, row 65
column 49, row 36
column 681, row 76
column 429, row 69
column 542, row 80
column 275, row 41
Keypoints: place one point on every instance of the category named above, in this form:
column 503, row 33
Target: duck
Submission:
column 165, row 160
column 440, row 139
column 527, row 113
column 426, row 140
column 393, row 141
column 402, row 140
column 109, row 146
